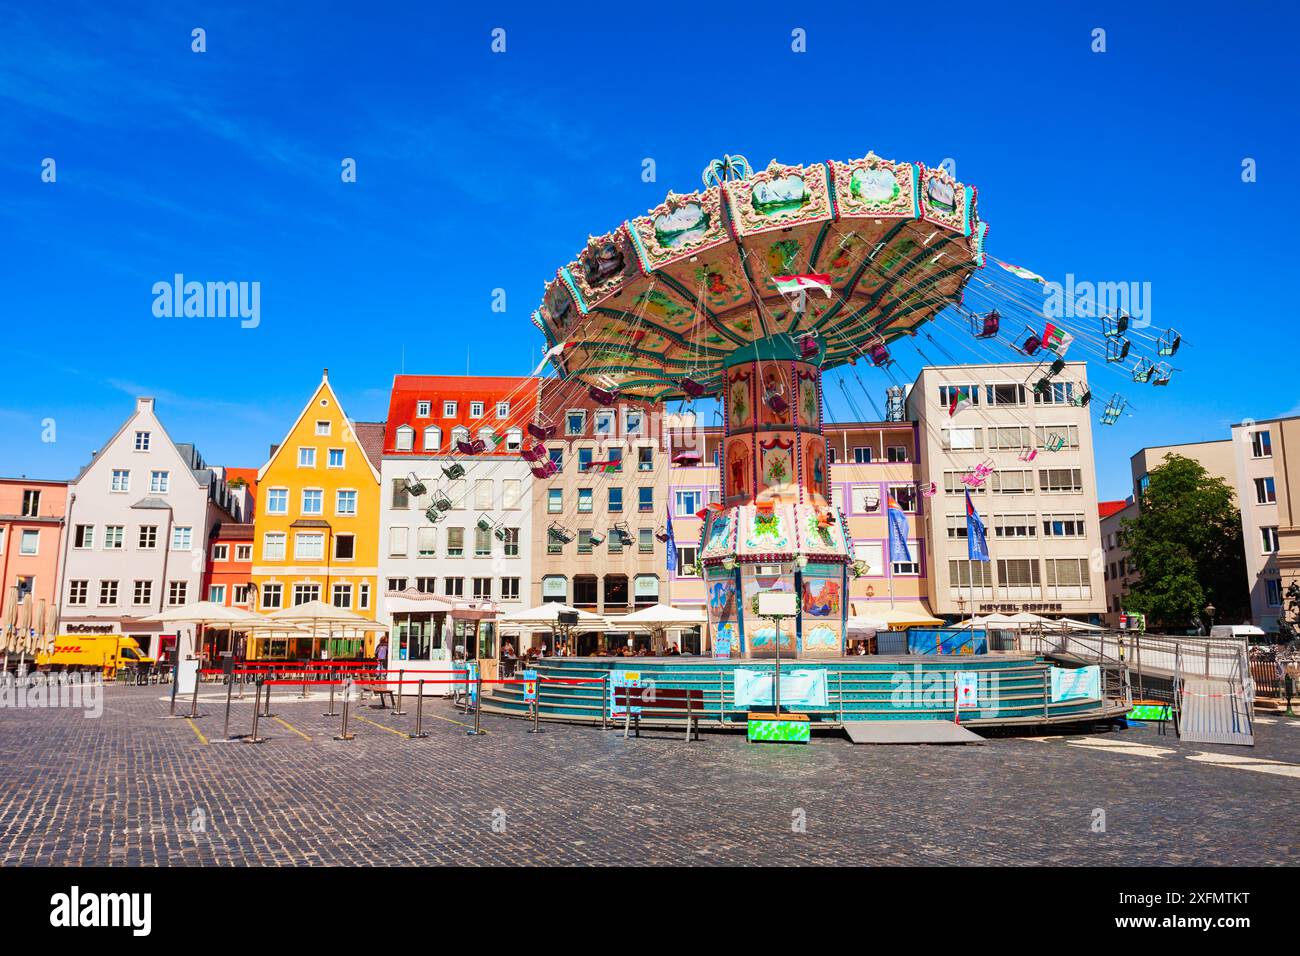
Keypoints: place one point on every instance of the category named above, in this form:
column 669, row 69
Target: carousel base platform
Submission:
column 1014, row 690
column 909, row 732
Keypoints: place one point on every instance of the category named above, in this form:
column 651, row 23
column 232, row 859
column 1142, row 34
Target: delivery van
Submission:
column 107, row 653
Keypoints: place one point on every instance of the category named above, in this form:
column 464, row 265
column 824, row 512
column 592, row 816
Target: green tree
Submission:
column 1187, row 547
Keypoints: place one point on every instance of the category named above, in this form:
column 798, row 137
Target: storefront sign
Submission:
column 1019, row 608
column 555, row 586
column 647, row 585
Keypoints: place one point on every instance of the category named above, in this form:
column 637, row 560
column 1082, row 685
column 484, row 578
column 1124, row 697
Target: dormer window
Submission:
column 475, row 409
column 448, row 409
column 405, row 438
column 503, row 409
column 432, row 438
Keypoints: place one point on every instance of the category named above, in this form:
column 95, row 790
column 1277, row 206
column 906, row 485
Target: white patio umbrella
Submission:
column 24, row 638
column 202, row 613
column 51, row 626
column 9, row 642
column 548, row 616
column 313, row 614
column 658, row 619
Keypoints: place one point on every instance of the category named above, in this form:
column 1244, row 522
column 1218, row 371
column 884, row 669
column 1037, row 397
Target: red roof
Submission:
column 410, row 390
column 1107, row 508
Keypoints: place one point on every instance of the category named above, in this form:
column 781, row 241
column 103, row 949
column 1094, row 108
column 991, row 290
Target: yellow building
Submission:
column 317, row 518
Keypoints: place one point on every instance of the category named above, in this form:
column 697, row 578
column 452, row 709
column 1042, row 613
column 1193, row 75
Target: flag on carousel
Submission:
column 898, row 532
column 672, row 543
column 960, row 400
column 1056, row 339
column 820, row 281
column 1022, row 272
column 977, row 545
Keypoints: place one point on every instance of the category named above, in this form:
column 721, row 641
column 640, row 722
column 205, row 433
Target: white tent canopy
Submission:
column 660, row 617
column 203, row 612
column 548, row 616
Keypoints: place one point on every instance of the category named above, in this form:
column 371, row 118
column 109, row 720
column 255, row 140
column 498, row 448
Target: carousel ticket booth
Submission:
column 428, row 632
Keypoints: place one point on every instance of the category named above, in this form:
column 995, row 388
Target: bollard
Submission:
column 604, row 701
column 343, row 734
column 194, row 701
column 230, row 690
column 306, row 671
column 266, row 710
column 257, row 706
column 419, row 716
column 330, row 712
column 397, row 707
column 478, row 704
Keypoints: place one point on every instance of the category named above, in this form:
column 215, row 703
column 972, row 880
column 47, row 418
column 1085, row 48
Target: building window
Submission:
column 1068, row 579
column 1003, row 395
column 832, row 454
column 455, row 542
column 912, row 567
column 510, row 494
column 575, row 422
column 113, row 535
column 1018, row 578
column 957, row 525
column 453, row 587
column 1261, row 444
column 141, row 441
column 277, row 501
column 510, row 589
column 273, row 546
column 861, row 456
column 633, row 422
column 397, row 584
column 1064, row 526
column 483, row 494
column 426, row 542
column 182, row 538
column 240, row 594
column 1047, row 436
column 584, row 541
column 177, row 592
column 584, row 590
column 904, row 496
column 1056, row 393
column 687, row 502
column 475, row 409
column 948, row 394
column 342, row 595
column 511, row 543
column 401, row 498
column 503, row 409
column 645, row 499
column 217, row 593
column 108, row 592
column 615, row 501
column 306, row 457
column 159, row 482
column 305, row 593
column 603, row 425
column 220, row 552
column 960, row 574
column 1268, row 535
column 645, row 540
column 897, row 453
column 77, row 592
column 556, row 455
column 83, row 536
column 30, row 541
column 432, row 438
column 345, row 547
column 1273, row 592
column 404, row 438
column 272, row 597
column 645, row 459
column 584, row 500
column 554, row 501
column 148, row 539
column 423, row 409
column 243, row 552
column 308, row 547
column 962, row 439
column 616, row 592
column 323, row 427
column 121, row 480
column 1014, row 526
column 554, row 543
column 585, row 458
column 865, row 498
column 448, row 409
column 1009, row 437
column 555, row 587
column 482, row 543
column 514, row 440
column 481, row 589
column 614, row 542
column 1265, row 491
column 1059, row 479
column 686, row 561
column 345, row 502
column 313, row 501
column 459, row 434
column 334, row 458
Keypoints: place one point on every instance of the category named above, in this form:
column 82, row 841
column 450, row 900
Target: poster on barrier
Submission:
column 1078, row 683
column 967, row 685
column 623, row 679
column 471, row 674
column 530, row 686
column 800, row 688
column 187, row 676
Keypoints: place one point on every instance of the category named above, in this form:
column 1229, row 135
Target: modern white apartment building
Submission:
column 1267, row 490
column 138, row 518
column 455, row 528
column 1025, row 452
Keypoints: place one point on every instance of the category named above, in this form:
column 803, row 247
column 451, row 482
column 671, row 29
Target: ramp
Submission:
column 909, row 732
column 1215, row 712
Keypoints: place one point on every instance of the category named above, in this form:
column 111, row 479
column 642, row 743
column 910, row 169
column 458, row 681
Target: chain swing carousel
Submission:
column 748, row 291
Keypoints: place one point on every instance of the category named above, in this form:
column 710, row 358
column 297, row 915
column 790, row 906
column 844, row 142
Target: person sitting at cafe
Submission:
column 673, row 650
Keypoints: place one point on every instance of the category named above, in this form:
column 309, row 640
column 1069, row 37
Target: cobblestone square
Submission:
column 130, row 788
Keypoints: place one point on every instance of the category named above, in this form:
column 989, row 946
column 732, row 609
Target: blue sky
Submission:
column 478, row 171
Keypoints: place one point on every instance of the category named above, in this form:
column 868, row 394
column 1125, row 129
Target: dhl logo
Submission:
column 67, row 648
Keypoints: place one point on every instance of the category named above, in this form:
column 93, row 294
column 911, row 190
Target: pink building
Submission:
column 32, row 513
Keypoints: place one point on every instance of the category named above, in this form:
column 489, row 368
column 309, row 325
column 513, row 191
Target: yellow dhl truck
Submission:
column 108, row 653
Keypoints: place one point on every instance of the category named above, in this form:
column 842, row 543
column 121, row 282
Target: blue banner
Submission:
column 977, row 545
column 898, row 532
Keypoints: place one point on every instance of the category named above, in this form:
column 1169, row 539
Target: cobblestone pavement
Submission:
column 123, row 789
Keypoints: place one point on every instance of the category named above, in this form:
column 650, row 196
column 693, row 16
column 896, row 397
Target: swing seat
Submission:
column 1169, row 342
column 433, row 514
column 561, row 533
column 1032, row 344
column 1114, row 328
column 441, row 501
column 603, row 396
column 776, row 403
column 454, row 470
column 500, row 533
column 661, row 534
column 807, row 347
column 596, row 538
column 536, row 453
column 692, row 388
column 542, row 431
column 879, row 355
column 414, row 486
column 988, row 325
column 1117, row 350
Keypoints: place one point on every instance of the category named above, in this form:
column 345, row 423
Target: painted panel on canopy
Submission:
column 604, row 267
column 944, row 201
column 766, row 532
column 678, row 228
column 808, row 407
column 777, row 393
column 740, row 398
column 778, row 478
column 779, row 197
column 813, row 460
column 738, row 462
column 875, row 188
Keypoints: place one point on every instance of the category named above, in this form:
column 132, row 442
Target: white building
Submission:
column 138, row 520
column 1038, row 496
column 439, row 577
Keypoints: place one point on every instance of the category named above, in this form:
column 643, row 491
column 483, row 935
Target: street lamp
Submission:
column 1209, row 614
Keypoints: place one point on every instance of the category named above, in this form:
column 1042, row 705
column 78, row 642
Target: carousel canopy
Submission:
column 869, row 249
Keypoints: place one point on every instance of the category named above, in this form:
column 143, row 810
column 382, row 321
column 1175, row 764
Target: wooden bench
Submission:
column 659, row 702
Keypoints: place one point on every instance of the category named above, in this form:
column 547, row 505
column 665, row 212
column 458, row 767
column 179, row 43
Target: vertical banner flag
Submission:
column 977, row 546
column 672, row 543
column 898, row 532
